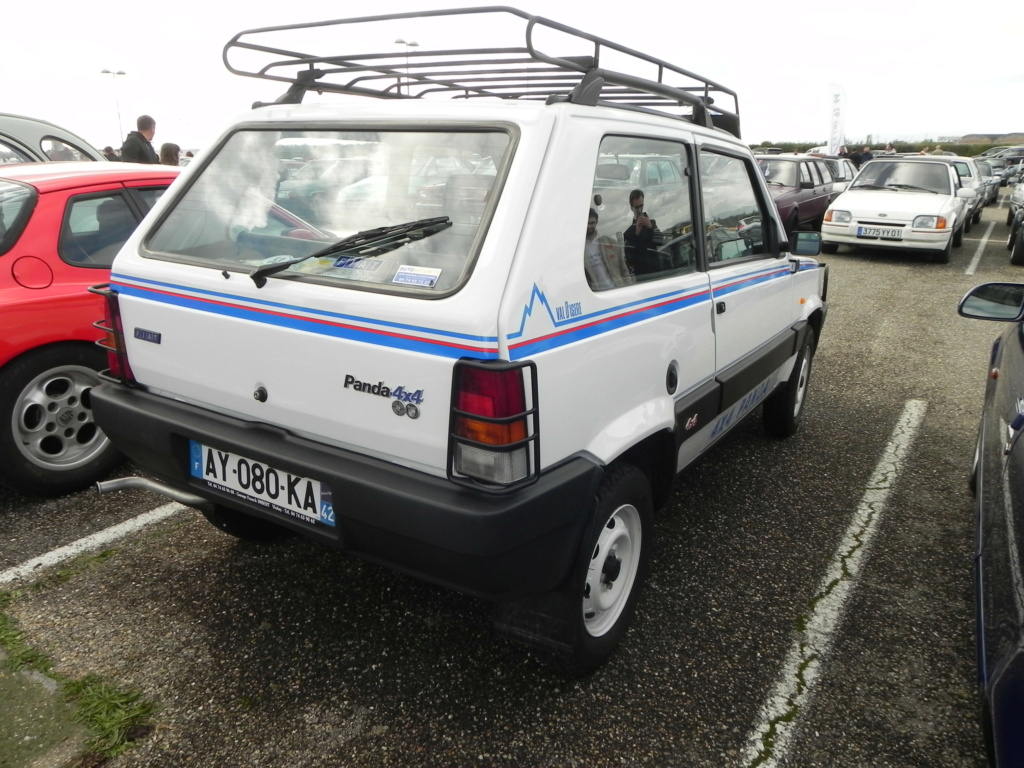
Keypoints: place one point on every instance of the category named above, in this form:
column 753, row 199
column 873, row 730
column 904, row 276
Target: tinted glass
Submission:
column 11, row 154
column 59, row 150
column 94, row 230
column 17, row 202
column 781, row 172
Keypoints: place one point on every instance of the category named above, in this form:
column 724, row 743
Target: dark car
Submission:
column 997, row 480
column 29, row 140
column 61, row 225
column 802, row 187
column 1015, row 239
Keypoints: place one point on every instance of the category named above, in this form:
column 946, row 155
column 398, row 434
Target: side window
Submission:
column 11, row 154
column 56, row 149
column 805, row 172
column 733, row 216
column 94, row 230
column 150, row 195
column 639, row 233
column 823, row 169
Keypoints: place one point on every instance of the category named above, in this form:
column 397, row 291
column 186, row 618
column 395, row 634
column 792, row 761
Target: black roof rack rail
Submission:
column 514, row 72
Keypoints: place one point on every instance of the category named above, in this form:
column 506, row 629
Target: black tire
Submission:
column 245, row 527
column 958, row 237
column 784, row 408
column 943, row 256
column 968, row 222
column 977, row 217
column 1009, row 216
column 792, row 224
column 49, row 442
column 1017, row 254
column 610, row 571
column 830, row 248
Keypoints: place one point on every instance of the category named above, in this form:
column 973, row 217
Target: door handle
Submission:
column 719, row 307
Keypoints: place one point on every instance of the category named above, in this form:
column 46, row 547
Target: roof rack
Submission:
column 516, row 72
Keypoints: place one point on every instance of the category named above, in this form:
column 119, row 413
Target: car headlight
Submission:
column 930, row 222
column 838, row 217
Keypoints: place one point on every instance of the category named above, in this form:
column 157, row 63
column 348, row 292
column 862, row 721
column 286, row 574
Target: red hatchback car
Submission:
column 61, row 224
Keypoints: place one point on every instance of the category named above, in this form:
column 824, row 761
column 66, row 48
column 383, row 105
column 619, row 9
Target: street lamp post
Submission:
column 117, row 102
column 408, row 45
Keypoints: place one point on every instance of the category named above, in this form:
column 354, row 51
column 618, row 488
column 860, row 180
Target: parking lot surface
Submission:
column 300, row 656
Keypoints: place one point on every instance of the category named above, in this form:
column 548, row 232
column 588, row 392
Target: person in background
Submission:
column 642, row 257
column 925, row 151
column 889, row 150
column 138, row 146
column 170, row 154
column 110, row 154
column 866, row 154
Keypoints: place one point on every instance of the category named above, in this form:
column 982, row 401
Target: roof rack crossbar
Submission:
column 517, row 72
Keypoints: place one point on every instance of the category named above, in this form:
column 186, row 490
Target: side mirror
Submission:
column 966, row 192
column 805, row 243
column 806, row 185
column 994, row 301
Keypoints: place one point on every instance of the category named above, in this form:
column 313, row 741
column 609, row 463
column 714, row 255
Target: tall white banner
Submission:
column 837, row 136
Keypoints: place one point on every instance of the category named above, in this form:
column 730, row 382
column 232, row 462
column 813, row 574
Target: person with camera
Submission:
column 641, row 255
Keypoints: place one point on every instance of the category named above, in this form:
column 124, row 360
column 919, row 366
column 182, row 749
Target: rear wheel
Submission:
column 243, row 526
column 49, row 442
column 829, row 248
column 606, row 581
column 784, row 408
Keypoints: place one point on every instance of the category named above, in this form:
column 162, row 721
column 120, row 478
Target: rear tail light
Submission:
column 113, row 336
column 493, row 440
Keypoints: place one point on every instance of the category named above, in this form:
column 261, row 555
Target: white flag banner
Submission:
column 837, row 136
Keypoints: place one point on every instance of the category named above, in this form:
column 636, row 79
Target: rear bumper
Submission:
column 494, row 546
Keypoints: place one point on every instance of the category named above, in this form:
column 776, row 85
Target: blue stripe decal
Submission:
column 323, row 327
column 228, row 297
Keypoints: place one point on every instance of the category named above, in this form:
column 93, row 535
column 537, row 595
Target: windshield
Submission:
column 250, row 208
column 888, row 174
column 779, row 172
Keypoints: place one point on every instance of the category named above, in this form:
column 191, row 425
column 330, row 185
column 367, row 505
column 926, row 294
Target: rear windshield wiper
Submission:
column 376, row 236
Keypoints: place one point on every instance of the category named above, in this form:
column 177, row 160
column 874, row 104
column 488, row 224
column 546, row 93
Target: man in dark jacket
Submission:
column 137, row 148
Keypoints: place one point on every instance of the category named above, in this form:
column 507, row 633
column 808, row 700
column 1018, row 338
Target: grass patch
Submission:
column 113, row 718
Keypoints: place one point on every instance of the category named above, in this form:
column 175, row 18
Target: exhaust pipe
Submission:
column 124, row 483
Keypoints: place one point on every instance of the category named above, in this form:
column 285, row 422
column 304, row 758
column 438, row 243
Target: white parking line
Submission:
column 95, row 541
column 781, row 713
column 981, row 246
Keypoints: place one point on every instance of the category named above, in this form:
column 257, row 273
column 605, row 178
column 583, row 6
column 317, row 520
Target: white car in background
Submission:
column 904, row 203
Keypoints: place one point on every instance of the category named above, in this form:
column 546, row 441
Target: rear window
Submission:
column 250, row 208
column 17, row 201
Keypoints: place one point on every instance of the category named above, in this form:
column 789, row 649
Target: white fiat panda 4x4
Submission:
column 539, row 290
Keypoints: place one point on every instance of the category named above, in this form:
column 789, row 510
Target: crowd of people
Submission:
column 859, row 158
column 138, row 146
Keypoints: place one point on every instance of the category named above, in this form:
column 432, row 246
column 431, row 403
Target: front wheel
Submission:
column 958, row 237
column 784, row 408
column 943, row 256
column 830, row 248
column 49, row 442
column 1017, row 254
column 606, row 581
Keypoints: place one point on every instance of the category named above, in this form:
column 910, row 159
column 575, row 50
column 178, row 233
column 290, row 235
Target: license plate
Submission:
column 271, row 488
column 880, row 232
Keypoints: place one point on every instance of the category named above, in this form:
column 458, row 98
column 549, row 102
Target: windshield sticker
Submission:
column 356, row 268
column 422, row 277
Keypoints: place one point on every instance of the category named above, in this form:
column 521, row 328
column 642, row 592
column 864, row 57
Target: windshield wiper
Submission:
column 367, row 237
column 870, row 186
column 911, row 186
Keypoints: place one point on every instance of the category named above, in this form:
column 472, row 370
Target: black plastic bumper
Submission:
column 495, row 546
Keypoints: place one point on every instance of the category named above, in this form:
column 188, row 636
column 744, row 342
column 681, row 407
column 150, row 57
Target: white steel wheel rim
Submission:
column 612, row 571
column 52, row 419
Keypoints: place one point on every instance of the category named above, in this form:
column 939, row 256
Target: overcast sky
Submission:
column 908, row 70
